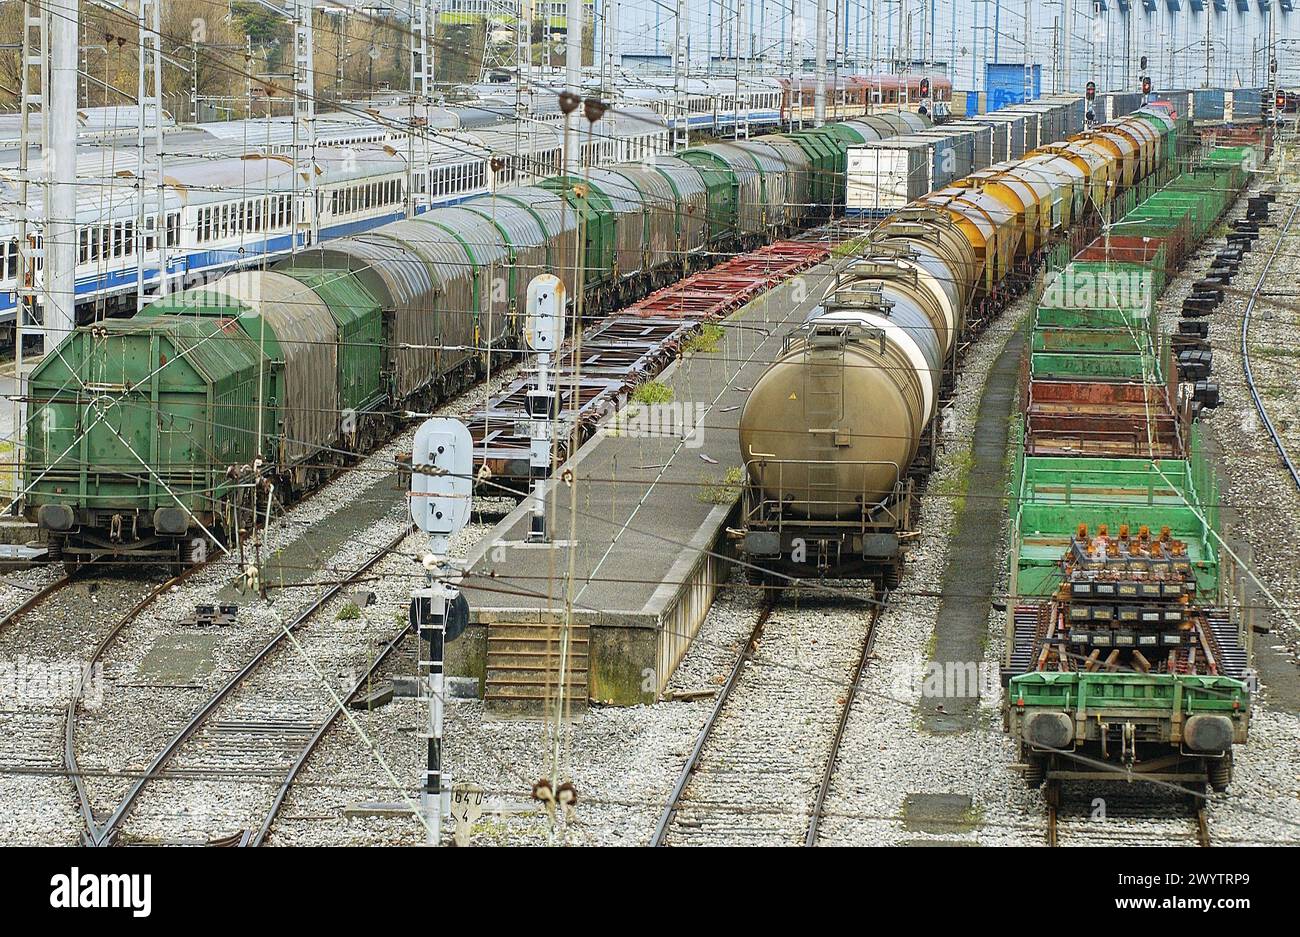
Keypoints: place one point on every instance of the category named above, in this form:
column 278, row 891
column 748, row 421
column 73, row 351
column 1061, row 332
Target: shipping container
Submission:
column 1005, row 84
column 1015, row 139
column 1243, row 105
column 1208, row 104
column 1071, row 109
column 885, row 176
column 954, row 155
column 965, row 103
column 982, row 136
column 1117, row 104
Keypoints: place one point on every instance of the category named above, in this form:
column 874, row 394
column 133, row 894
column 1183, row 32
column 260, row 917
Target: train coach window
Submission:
column 173, row 228
column 117, row 239
column 83, row 245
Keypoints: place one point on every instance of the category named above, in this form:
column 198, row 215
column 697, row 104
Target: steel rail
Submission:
column 91, row 835
column 693, row 760
column 1245, row 350
column 326, row 724
column 113, row 825
column 36, row 598
column 868, row 643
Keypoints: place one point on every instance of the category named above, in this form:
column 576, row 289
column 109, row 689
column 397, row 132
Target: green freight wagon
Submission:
column 132, row 427
column 1096, row 321
column 1050, row 497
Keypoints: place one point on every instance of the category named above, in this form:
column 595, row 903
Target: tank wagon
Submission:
column 1122, row 658
column 838, row 432
column 148, row 437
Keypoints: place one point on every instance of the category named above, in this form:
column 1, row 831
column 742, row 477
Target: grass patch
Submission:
column 1275, row 352
column 725, row 491
column 955, row 485
column 652, row 392
column 851, row 247
column 704, row 342
column 349, row 612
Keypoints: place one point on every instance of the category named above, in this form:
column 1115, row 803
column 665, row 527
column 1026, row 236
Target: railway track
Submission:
column 34, row 600
column 819, row 804
column 1121, row 817
column 54, row 625
column 1251, row 302
column 760, row 768
column 267, row 731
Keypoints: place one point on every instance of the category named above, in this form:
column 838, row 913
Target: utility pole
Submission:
column 421, row 88
column 149, row 99
column 819, row 92
column 59, row 240
column 524, row 61
column 740, row 129
column 34, row 81
column 573, row 81
column 796, row 82
column 609, row 12
column 1056, row 52
column 681, row 115
column 1209, row 14
column 1067, row 40
column 1029, row 64
column 304, row 121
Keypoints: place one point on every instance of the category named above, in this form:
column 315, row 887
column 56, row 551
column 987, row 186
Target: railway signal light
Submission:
column 1142, row 64
column 1146, row 85
column 1280, row 100
column 1090, row 91
column 925, row 87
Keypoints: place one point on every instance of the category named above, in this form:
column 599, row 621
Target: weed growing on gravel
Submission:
column 705, row 342
column 653, row 392
column 954, row 486
column 724, row 492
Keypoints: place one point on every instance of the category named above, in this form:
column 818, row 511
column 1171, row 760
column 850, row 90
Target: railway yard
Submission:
column 827, row 460
column 789, row 704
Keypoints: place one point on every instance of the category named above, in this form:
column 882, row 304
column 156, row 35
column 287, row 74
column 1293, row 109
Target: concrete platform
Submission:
column 650, row 525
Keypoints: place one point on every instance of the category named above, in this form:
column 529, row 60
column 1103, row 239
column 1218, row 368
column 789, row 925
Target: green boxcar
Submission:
column 139, row 419
column 724, row 193
column 828, row 157
column 360, row 322
column 298, row 332
column 601, row 226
